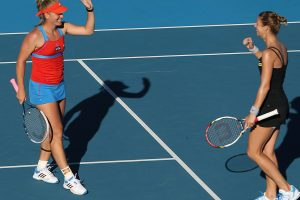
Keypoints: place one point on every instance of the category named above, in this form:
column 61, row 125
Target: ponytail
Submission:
column 281, row 19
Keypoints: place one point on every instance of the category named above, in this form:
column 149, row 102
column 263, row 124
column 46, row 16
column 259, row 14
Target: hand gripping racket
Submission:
column 35, row 122
column 225, row 131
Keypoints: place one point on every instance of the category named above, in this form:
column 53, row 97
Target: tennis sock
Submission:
column 42, row 164
column 67, row 172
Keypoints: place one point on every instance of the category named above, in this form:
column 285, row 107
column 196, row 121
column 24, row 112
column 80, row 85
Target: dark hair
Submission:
column 41, row 5
column 273, row 20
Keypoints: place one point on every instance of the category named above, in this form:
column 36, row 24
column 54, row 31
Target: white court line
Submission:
column 161, row 27
column 150, row 57
column 94, row 162
column 150, row 131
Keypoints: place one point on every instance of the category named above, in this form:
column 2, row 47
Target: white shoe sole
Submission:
column 67, row 188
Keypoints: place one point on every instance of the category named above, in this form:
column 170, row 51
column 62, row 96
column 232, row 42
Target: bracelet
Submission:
column 254, row 50
column 254, row 110
column 90, row 10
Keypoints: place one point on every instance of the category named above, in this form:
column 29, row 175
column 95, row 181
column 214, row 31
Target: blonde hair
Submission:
column 273, row 20
column 41, row 5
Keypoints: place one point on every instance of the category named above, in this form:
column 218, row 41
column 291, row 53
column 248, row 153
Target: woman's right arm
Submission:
column 27, row 48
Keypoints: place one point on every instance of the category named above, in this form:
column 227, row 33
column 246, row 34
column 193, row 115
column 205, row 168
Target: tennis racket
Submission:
column 35, row 122
column 225, row 131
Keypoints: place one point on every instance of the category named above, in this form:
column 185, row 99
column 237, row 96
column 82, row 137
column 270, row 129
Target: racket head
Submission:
column 224, row 131
column 36, row 124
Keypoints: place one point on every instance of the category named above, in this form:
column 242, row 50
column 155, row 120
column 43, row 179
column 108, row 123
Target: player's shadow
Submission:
column 289, row 149
column 89, row 115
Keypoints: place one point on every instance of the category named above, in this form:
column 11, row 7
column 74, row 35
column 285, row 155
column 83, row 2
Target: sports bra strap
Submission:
column 278, row 53
column 43, row 32
column 61, row 33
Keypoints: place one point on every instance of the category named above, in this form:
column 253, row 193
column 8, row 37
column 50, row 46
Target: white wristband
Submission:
column 254, row 110
column 254, row 50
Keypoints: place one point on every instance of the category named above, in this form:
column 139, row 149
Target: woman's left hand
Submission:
column 88, row 4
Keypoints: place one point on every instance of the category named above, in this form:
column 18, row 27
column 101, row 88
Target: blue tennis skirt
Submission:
column 40, row 93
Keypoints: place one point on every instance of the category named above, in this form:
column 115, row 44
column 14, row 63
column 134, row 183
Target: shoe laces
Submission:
column 75, row 180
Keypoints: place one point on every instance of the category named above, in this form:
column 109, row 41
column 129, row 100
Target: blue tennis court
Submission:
column 140, row 93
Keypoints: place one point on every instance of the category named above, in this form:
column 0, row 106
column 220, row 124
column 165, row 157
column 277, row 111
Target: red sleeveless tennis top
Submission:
column 48, row 60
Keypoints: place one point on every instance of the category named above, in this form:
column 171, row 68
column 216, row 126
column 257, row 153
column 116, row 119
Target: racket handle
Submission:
column 267, row 115
column 14, row 84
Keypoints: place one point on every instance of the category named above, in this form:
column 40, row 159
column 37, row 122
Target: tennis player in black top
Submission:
column 270, row 95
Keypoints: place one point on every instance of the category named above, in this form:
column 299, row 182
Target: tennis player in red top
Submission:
column 45, row 45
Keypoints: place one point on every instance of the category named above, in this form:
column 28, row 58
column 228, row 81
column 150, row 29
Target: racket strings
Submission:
column 35, row 124
column 224, row 131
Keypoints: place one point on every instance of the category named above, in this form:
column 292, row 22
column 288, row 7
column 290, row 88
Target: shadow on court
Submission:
column 91, row 113
column 240, row 163
column 289, row 149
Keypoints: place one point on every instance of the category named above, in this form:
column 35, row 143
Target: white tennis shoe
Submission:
column 74, row 185
column 44, row 175
column 293, row 194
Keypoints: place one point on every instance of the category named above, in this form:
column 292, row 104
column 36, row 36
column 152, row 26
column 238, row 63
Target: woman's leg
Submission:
column 53, row 111
column 269, row 151
column 258, row 139
column 45, row 146
column 42, row 172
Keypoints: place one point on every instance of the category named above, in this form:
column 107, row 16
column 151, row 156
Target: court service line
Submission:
column 171, row 56
column 160, row 27
column 95, row 162
column 182, row 27
column 150, row 131
column 150, row 57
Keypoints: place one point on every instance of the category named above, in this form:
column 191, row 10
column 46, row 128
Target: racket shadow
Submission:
column 91, row 112
column 240, row 163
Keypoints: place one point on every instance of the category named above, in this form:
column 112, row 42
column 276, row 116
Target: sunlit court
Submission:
column 140, row 93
